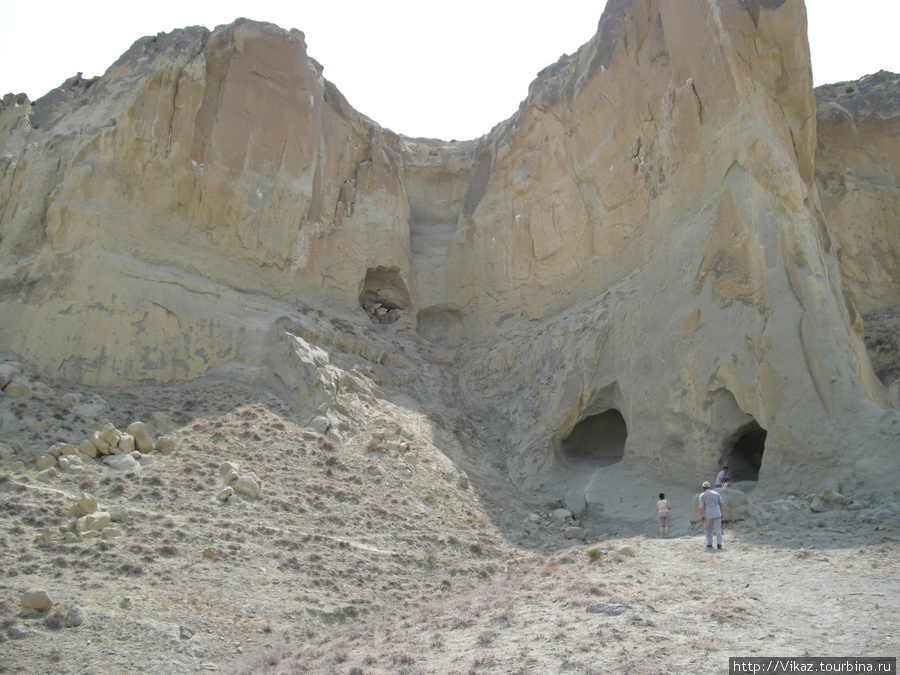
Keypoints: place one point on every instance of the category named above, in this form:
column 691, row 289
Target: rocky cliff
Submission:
column 651, row 262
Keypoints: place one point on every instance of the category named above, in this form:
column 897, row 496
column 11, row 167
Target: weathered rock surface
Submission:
column 635, row 267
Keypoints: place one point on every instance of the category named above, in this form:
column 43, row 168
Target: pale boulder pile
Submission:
column 119, row 450
column 87, row 520
column 237, row 483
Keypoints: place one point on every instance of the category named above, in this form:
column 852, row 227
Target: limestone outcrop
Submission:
column 637, row 266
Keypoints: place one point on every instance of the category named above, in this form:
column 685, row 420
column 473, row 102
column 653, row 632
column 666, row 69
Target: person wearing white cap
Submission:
column 712, row 510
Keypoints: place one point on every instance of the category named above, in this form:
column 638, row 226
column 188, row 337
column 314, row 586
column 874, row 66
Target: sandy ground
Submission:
column 367, row 552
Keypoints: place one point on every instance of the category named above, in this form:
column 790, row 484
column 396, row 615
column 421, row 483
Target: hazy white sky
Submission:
column 419, row 68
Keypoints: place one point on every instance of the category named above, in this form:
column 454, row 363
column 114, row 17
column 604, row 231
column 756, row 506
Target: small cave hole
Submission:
column 600, row 438
column 745, row 455
column 384, row 295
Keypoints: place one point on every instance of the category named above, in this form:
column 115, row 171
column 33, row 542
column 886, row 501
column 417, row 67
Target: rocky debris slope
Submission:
column 392, row 542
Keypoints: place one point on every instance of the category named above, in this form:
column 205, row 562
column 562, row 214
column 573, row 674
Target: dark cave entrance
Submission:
column 745, row 455
column 600, row 438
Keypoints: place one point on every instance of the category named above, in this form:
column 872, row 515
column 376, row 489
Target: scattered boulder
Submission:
column 37, row 600
column 122, row 462
column 247, row 485
column 575, row 502
column 833, row 496
column 93, row 521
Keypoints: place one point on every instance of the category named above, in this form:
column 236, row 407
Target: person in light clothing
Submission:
column 662, row 513
column 712, row 510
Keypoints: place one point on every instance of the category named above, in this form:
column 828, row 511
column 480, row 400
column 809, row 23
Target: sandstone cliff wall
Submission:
column 638, row 254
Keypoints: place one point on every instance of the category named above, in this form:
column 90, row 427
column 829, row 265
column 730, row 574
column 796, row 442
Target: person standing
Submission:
column 662, row 513
column 722, row 479
column 712, row 510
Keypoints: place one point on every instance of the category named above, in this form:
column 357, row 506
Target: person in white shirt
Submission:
column 662, row 513
column 712, row 510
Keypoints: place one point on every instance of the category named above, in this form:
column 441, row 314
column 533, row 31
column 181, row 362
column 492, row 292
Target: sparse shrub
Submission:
column 402, row 658
column 54, row 620
column 595, row 554
column 487, row 637
column 431, row 558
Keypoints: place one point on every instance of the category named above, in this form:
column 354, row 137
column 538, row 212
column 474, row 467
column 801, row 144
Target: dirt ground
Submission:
column 399, row 546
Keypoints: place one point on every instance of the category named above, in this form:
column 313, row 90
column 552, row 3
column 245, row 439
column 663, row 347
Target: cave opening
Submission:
column 384, row 295
column 600, row 438
column 744, row 454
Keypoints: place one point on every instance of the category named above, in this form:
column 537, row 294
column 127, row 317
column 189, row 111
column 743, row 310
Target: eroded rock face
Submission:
column 638, row 255
column 858, row 176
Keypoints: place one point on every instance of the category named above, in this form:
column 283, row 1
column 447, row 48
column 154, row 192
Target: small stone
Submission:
column 142, row 440
column 158, row 420
column 45, row 462
column 110, row 434
column 74, row 617
column 210, row 553
column 92, row 521
column 186, row 633
column 16, row 389
column 226, row 468
column 225, row 494
column 70, row 400
column 320, row 424
column 110, row 533
column 462, row 481
column 88, row 448
column 561, row 514
column 87, row 504
column 102, row 446
column 612, row 609
column 67, row 449
column 573, row 533
column 165, row 444
column 46, row 474
column 627, row 551
column 834, row 496
column 126, row 443
column 119, row 514
column 817, row 505
column 44, row 537
column 16, row 633
column 122, row 462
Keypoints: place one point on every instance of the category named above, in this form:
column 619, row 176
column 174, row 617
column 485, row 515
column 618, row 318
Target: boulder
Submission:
column 122, row 462
column 142, row 440
column 246, row 485
column 37, row 600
